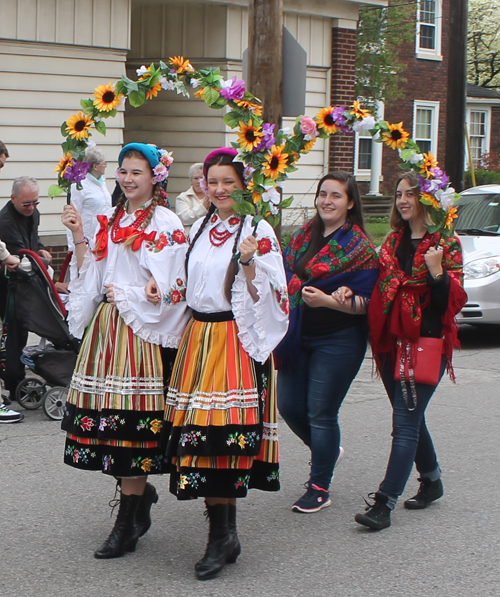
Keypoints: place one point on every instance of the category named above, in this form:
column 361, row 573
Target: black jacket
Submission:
column 18, row 231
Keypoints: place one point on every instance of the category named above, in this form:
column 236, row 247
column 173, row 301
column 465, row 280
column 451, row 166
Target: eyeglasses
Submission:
column 31, row 203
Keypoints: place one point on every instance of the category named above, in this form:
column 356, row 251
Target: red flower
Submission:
column 264, row 245
column 214, row 219
column 178, row 237
column 175, row 297
column 179, row 281
column 162, row 242
column 297, row 243
column 87, row 423
column 294, row 285
column 233, row 221
column 286, row 307
column 319, row 269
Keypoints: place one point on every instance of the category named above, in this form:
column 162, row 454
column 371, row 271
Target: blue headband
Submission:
column 148, row 151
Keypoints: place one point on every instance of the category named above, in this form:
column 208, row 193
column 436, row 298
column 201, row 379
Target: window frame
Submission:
column 434, row 107
column 430, row 53
column 487, row 128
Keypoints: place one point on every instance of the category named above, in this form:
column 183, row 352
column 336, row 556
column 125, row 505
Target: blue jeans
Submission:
column 311, row 390
column 411, row 440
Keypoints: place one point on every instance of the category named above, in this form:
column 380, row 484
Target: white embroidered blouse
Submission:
column 129, row 272
column 261, row 324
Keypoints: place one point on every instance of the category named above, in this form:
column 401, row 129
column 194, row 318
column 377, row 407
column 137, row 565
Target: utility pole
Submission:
column 457, row 93
column 265, row 60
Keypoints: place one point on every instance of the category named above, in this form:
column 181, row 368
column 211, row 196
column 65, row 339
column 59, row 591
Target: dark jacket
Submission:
column 18, row 231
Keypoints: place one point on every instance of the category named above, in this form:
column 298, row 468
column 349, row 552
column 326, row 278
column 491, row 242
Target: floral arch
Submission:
column 268, row 155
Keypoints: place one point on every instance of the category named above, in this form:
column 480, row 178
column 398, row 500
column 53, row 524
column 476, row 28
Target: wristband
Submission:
column 80, row 242
column 249, row 262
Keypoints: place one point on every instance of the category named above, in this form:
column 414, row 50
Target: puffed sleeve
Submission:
column 163, row 259
column 262, row 324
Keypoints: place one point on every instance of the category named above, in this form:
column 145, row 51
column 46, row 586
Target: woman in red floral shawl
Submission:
column 418, row 294
column 331, row 269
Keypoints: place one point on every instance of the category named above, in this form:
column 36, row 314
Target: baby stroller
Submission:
column 42, row 312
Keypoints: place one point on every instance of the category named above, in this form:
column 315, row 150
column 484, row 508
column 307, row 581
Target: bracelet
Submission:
column 80, row 242
column 438, row 276
column 249, row 262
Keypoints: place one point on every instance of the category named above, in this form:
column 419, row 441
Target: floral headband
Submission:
column 159, row 159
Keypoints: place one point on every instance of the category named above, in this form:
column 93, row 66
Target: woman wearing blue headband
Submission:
column 115, row 406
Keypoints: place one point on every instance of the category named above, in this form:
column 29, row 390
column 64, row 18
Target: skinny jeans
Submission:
column 411, row 440
column 311, row 391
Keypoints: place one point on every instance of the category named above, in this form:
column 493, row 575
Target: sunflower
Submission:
column 276, row 162
column 309, row 145
column 256, row 196
column 249, row 136
column 64, row 162
column 396, row 137
column 325, row 120
column 106, row 98
column 78, row 126
column 429, row 162
column 433, row 202
column 450, row 216
column 153, row 92
column 182, row 66
column 246, row 105
column 358, row 111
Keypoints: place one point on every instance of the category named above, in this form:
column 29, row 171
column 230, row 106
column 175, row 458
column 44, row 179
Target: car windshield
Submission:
column 478, row 214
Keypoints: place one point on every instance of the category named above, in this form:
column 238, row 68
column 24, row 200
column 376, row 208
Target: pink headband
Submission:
column 215, row 153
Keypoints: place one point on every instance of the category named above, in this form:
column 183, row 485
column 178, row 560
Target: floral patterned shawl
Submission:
column 395, row 310
column 348, row 259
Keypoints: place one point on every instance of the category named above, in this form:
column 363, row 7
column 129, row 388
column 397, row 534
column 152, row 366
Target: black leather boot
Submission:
column 219, row 544
column 377, row 515
column 235, row 542
column 124, row 535
column 143, row 516
column 428, row 492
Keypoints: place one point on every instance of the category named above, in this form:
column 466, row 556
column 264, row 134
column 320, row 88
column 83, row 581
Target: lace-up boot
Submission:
column 235, row 542
column 124, row 535
column 219, row 546
column 377, row 515
column 143, row 516
column 428, row 492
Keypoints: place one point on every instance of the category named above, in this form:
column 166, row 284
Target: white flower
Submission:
column 364, row 125
column 194, row 83
column 446, row 198
column 141, row 71
column 225, row 84
column 271, row 195
column 416, row 158
column 91, row 143
column 274, row 210
column 286, row 130
column 432, row 186
column 166, row 85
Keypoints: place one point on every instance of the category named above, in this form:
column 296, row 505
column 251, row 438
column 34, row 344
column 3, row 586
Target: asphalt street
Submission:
column 53, row 517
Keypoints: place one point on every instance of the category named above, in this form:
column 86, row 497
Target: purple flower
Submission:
column 268, row 139
column 232, row 89
column 77, row 171
column 441, row 177
column 247, row 173
column 339, row 119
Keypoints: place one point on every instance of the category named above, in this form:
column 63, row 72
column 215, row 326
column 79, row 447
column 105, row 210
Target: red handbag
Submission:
column 420, row 361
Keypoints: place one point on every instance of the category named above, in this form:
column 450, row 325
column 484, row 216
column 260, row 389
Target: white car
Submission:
column 478, row 226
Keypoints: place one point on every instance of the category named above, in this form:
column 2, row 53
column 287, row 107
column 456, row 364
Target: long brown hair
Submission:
column 396, row 221
column 354, row 214
column 232, row 270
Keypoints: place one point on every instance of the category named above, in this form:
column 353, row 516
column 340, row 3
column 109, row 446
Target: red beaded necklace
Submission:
column 218, row 238
column 120, row 235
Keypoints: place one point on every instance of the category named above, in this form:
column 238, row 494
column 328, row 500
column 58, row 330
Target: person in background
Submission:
column 418, row 294
column 331, row 268
column 19, row 221
column 93, row 199
column 10, row 262
column 193, row 203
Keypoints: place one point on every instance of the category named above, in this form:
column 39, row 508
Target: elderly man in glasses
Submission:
column 19, row 221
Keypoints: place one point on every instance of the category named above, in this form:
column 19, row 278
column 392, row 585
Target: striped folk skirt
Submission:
column 220, row 416
column 113, row 416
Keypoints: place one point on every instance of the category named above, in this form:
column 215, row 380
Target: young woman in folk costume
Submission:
column 220, row 407
column 418, row 295
column 115, row 406
column 331, row 268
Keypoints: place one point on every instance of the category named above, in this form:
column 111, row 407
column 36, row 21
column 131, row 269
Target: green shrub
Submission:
column 482, row 177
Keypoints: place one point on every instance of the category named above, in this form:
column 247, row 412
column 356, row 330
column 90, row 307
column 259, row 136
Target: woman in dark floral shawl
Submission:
column 418, row 294
column 331, row 269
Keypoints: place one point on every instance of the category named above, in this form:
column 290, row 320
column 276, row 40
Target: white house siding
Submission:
column 53, row 53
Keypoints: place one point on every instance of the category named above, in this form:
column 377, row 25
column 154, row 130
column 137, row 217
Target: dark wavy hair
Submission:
column 354, row 214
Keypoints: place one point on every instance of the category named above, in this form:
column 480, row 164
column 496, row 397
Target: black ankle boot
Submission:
column 235, row 542
column 428, row 492
column 377, row 515
column 124, row 535
column 143, row 516
column 219, row 544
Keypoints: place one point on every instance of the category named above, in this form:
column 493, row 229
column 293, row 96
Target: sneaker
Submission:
column 428, row 492
column 9, row 416
column 377, row 515
column 313, row 500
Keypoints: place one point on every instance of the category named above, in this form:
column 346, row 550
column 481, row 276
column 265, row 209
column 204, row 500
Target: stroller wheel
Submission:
column 30, row 392
column 54, row 401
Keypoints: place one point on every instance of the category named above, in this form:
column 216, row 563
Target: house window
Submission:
column 425, row 126
column 478, row 133
column 429, row 19
column 363, row 156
